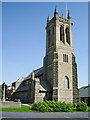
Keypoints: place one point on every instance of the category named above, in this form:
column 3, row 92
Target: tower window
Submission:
column 52, row 35
column 68, row 35
column 66, row 82
column 62, row 33
column 49, row 42
column 65, row 58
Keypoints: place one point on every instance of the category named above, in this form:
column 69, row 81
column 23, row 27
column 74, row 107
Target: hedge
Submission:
column 54, row 106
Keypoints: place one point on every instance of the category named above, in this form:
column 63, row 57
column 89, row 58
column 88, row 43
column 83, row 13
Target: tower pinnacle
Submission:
column 56, row 15
column 55, row 11
column 68, row 15
column 48, row 18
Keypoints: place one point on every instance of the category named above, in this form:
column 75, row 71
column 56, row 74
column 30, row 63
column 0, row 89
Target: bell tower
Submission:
column 60, row 68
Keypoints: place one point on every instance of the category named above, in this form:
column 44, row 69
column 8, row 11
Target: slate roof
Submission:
column 37, row 72
column 20, row 79
column 85, row 91
column 23, row 88
column 45, row 86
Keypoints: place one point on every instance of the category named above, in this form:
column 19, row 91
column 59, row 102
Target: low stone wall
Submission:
column 11, row 104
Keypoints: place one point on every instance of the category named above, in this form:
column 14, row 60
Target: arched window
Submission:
column 68, row 35
column 66, row 82
column 62, row 33
column 52, row 35
column 49, row 42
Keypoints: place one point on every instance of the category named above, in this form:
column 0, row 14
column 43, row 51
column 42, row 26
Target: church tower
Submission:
column 60, row 68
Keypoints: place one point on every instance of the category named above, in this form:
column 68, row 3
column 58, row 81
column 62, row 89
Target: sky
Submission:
column 0, row 43
column 24, row 37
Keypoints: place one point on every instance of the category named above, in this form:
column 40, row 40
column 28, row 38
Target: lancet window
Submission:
column 62, row 33
column 68, row 35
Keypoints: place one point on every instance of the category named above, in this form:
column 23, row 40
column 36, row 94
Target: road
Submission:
column 43, row 115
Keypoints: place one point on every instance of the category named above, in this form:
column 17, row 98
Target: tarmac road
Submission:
column 43, row 115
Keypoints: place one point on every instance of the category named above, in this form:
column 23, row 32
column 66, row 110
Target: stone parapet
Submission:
column 11, row 104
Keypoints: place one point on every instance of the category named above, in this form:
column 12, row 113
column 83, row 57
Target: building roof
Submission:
column 20, row 79
column 85, row 91
column 23, row 88
column 37, row 73
column 9, row 87
column 45, row 86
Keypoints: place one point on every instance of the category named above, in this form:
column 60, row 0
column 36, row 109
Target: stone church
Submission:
column 57, row 80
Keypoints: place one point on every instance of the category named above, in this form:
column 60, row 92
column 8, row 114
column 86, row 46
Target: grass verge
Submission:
column 27, row 109
column 22, row 109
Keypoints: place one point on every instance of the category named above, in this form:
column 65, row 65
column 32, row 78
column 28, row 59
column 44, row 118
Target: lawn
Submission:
column 22, row 109
column 25, row 109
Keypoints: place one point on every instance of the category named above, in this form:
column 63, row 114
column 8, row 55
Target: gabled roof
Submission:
column 37, row 73
column 85, row 91
column 20, row 79
column 45, row 86
column 23, row 88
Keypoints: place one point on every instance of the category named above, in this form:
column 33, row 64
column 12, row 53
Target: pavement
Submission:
column 43, row 115
column 26, row 105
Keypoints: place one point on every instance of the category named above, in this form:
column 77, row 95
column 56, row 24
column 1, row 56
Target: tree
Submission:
column 2, row 88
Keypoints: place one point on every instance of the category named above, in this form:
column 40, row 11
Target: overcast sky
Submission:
column 24, row 37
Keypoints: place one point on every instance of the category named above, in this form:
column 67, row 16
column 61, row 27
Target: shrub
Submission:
column 74, row 106
column 51, row 104
column 41, row 106
column 57, row 107
column 66, row 107
column 81, row 106
column 54, row 106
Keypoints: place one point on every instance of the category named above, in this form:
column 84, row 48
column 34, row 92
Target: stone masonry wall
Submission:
column 38, row 96
column 65, row 69
column 55, row 77
column 75, row 80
